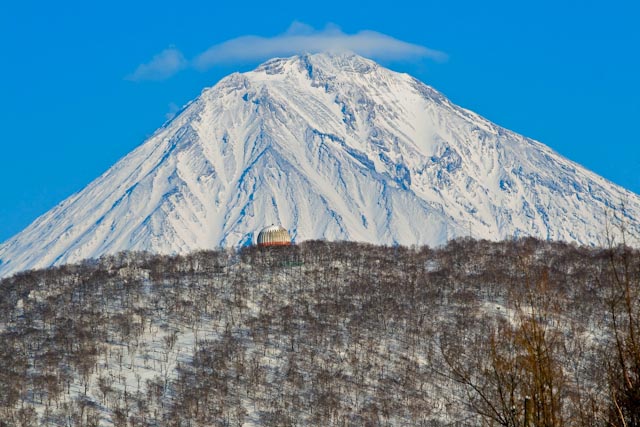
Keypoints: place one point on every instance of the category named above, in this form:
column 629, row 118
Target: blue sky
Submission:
column 73, row 99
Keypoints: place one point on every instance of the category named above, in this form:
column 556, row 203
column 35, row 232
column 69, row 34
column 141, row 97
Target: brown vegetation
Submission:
column 474, row 333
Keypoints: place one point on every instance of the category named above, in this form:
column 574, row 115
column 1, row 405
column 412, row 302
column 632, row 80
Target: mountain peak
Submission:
column 343, row 61
column 331, row 146
column 327, row 62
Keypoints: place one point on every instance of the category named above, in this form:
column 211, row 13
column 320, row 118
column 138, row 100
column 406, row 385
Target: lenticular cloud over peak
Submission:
column 300, row 39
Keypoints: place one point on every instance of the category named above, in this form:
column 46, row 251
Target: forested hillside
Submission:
column 327, row 334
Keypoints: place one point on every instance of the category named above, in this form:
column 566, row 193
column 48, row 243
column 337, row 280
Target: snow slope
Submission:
column 330, row 146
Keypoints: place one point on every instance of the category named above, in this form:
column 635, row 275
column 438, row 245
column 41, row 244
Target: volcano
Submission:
column 331, row 146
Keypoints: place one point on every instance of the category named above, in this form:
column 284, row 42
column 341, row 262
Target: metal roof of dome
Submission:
column 273, row 235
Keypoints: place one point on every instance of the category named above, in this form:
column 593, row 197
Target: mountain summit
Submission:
column 330, row 146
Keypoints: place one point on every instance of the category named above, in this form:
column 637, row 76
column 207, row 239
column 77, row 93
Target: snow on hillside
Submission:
column 317, row 334
column 330, row 146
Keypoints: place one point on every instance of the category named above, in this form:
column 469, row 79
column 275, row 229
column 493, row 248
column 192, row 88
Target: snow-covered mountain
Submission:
column 331, row 146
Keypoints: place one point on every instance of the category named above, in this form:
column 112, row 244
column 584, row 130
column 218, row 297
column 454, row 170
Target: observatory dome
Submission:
column 274, row 235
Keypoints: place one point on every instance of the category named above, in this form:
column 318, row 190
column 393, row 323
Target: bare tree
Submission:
column 623, row 366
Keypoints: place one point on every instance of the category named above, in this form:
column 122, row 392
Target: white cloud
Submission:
column 301, row 38
column 161, row 67
column 298, row 39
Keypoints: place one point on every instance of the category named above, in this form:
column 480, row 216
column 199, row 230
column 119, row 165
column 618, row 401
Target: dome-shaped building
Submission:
column 274, row 235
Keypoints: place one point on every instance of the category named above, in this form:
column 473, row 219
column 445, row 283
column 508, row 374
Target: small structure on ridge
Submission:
column 274, row 235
